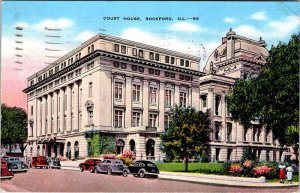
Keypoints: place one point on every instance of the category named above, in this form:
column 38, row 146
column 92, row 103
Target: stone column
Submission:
column 210, row 101
column 223, row 110
column 49, row 116
column 161, row 106
column 61, row 111
column 128, row 102
column 44, row 116
column 69, row 108
column 145, row 103
column 38, row 119
column 177, row 96
column 55, row 112
column 76, row 107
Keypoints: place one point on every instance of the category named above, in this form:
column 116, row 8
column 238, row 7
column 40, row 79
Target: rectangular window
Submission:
column 50, row 72
column 182, row 99
column 136, row 116
column 72, row 60
column 90, row 120
column 141, row 53
column 153, row 95
column 217, row 105
column 167, row 59
column 56, row 69
column 90, row 89
column 123, row 49
column 89, row 49
column 167, row 121
column 116, row 47
column 204, row 101
column 152, row 120
column 187, row 63
column 157, row 57
column 244, row 134
column 172, row 60
column 181, row 62
column 217, row 131
column 31, row 110
column 79, row 55
column 118, row 90
column 229, row 131
column 168, row 98
column 151, row 56
column 92, row 48
column 136, row 93
column 118, row 118
column 134, row 51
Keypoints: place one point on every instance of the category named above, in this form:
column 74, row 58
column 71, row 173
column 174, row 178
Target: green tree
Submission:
column 272, row 97
column 13, row 126
column 187, row 134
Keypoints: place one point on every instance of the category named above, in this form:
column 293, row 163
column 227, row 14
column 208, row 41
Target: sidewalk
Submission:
column 203, row 178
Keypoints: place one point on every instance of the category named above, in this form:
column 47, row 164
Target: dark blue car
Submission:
column 141, row 168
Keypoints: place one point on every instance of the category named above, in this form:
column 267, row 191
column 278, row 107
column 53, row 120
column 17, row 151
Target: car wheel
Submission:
column 81, row 168
column 92, row 169
column 125, row 174
column 142, row 174
column 109, row 171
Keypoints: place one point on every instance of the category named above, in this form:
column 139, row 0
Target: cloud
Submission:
column 83, row 36
column 273, row 30
column 186, row 27
column 259, row 16
column 229, row 20
column 61, row 23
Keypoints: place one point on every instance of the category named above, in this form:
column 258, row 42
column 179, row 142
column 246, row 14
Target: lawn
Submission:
column 192, row 167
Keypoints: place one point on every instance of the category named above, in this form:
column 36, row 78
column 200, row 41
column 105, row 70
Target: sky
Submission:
column 194, row 28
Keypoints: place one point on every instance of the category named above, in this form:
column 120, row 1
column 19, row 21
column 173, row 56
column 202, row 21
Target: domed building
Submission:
column 237, row 57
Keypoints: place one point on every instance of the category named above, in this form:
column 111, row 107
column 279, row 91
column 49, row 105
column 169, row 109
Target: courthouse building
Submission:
column 124, row 88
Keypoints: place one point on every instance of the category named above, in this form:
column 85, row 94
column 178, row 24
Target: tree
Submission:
column 13, row 126
column 187, row 134
column 272, row 97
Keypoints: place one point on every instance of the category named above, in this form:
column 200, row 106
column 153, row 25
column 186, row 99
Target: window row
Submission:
column 153, row 95
column 136, row 119
column 152, row 56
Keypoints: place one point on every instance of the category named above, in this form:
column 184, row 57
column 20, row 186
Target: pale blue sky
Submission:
column 274, row 21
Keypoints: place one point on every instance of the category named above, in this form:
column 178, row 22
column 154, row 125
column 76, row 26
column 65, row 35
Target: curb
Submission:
column 262, row 186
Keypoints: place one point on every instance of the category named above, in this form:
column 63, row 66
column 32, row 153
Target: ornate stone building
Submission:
column 124, row 88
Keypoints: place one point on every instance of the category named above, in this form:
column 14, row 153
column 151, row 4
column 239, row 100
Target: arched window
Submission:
column 132, row 145
column 43, row 150
column 68, row 153
column 76, row 149
column 150, row 152
column 120, row 146
column 55, row 149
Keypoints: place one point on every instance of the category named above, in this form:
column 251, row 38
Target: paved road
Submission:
column 43, row 180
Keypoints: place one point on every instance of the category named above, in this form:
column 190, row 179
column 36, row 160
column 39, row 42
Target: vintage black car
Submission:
column 141, row 168
column 110, row 166
column 16, row 165
column 53, row 162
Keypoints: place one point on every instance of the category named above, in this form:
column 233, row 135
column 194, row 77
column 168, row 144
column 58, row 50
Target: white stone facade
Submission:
column 125, row 88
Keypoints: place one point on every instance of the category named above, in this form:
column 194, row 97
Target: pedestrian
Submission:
column 289, row 173
column 281, row 172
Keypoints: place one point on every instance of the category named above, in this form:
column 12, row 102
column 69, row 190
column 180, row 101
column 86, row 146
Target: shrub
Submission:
column 109, row 156
column 248, row 155
column 234, row 170
column 127, row 157
column 225, row 167
column 262, row 171
column 204, row 157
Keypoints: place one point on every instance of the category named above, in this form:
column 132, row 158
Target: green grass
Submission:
column 192, row 167
column 295, row 179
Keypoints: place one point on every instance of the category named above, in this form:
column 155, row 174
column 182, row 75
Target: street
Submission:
column 53, row 180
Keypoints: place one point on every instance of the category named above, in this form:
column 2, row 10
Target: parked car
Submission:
column 141, row 168
column 110, row 166
column 39, row 162
column 16, row 165
column 5, row 172
column 53, row 162
column 89, row 165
